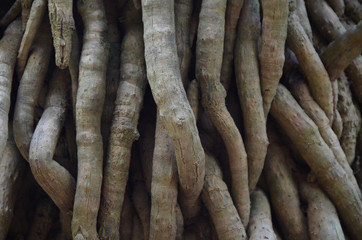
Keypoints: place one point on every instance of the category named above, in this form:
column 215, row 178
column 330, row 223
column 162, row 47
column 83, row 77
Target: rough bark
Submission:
column 342, row 51
column 337, row 124
column 9, row 46
column 249, row 90
column 301, row 93
column 90, row 99
column 260, row 226
column 11, row 165
column 311, row 65
column 124, row 131
column 218, row 201
column 165, row 81
column 351, row 118
column 183, row 12
column 329, row 25
column 36, row 16
column 323, row 219
column 164, row 186
column 283, row 189
column 56, row 181
column 233, row 9
column 29, row 90
column 208, row 66
column 338, row 184
column 62, row 23
column 271, row 56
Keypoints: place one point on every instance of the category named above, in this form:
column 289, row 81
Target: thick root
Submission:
column 36, row 17
column 62, row 23
column 341, row 187
column 165, row 81
column 233, row 9
column 249, row 91
column 311, row 65
column 217, row 199
column 56, row 181
column 9, row 46
column 341, row 52
column 208, row 66
column 323, row 219
column 271, row 56
column 29, row 91
column 124, row 131
column 164, row 187
column 90, row 99
column 283, row 189
column 260, row 225
column 11, row 165
column 351, row 118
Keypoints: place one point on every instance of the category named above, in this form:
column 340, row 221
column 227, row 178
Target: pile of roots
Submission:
column 180, row 119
